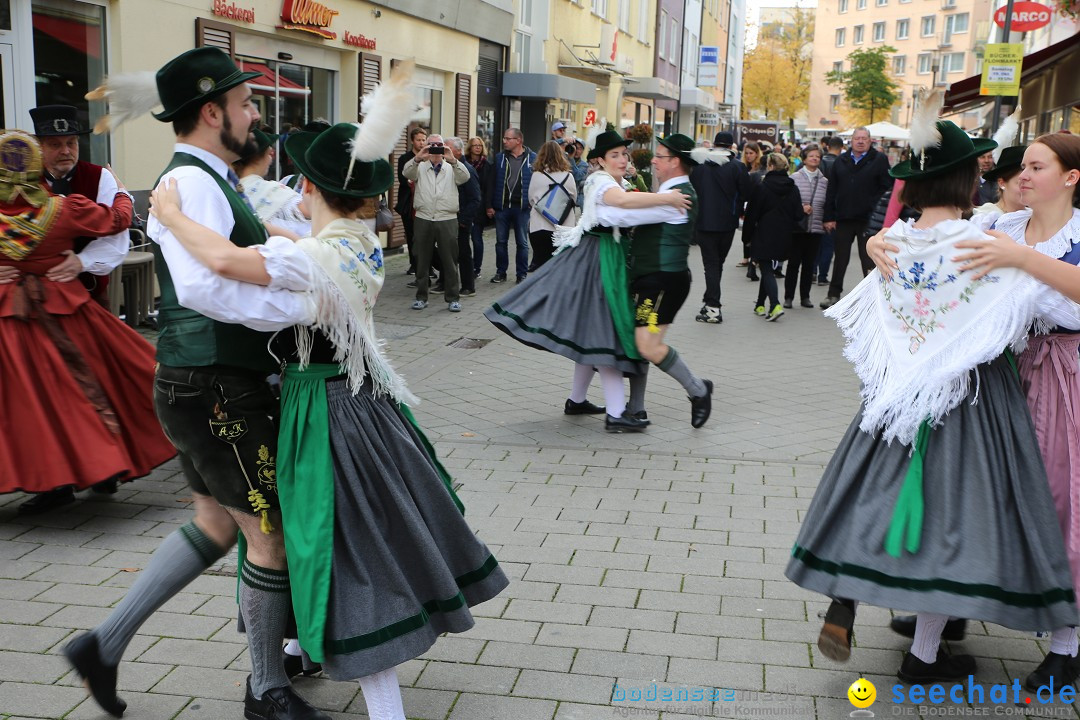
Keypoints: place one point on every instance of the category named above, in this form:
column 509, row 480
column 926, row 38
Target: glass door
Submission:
column 7, row 87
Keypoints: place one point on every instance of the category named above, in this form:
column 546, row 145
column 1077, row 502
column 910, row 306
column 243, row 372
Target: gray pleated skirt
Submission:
column 562, row 308
column 991, row 546
column 406, row 565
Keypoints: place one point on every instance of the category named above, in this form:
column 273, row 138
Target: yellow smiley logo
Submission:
column 862, row 693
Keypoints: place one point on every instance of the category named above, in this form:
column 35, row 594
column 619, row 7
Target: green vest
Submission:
column 663, row 247
column 189, row 339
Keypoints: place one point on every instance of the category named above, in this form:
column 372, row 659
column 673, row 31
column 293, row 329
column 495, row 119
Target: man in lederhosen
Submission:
column 660, row 282
column 212, row 396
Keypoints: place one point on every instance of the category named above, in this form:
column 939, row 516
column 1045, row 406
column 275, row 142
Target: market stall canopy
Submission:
column 882, row 131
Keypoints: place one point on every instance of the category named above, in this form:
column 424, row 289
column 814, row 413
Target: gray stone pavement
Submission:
column 639, row 561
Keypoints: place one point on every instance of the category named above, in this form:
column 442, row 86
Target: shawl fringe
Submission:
column 896, row 398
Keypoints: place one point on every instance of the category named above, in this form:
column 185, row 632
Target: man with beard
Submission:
column 211, row 393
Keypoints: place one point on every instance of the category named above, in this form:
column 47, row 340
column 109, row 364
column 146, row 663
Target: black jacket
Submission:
column 827, row 161
column 469, row 200
column 854, row 188
column 721, row 191
column 403, row 205
column 486, row 175
column 772, row 216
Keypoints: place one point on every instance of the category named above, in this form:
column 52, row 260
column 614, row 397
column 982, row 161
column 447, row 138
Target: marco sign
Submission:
column 1026, row 16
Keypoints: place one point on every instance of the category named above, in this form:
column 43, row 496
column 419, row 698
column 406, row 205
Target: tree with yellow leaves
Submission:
column 776, row 72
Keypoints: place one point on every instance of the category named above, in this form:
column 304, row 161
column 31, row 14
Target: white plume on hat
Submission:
column 1006, row 134
column 713, row 155
column 924, row 129
column 594, row 132
column 386, row 110
column 130, row 95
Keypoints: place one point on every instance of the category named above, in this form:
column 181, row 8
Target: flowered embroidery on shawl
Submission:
column 924, row 316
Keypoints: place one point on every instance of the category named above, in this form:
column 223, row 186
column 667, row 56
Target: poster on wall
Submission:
column 1002, row 63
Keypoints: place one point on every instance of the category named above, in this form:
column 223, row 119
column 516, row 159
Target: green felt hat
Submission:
column 324, row 158
column 607, row 141
column 197, row 76
column 954, row 149
column 681, row 145
column 1011, row 159
column 264, row 139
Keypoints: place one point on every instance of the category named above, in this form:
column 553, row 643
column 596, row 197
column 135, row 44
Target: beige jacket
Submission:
column 435, row 196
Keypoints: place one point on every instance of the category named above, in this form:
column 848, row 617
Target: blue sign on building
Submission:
column 709, row 55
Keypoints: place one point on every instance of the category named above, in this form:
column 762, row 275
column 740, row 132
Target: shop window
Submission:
column 5, row 14
column 70, row 61
column 430, row 113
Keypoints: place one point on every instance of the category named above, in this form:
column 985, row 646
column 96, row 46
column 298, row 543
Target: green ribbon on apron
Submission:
column 905, row 528
column 616, row 290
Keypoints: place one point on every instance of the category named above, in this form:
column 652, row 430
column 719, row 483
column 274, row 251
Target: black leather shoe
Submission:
column 582, row 408
column 624, row 423
column 701, row 407
column 641, row 415
column 294, row 665
column 834, row 640
column 99, row 678
column 788, row 304
column 1055, row 668
column 905, row 625
column 107, row 487
column 48, row 500
column 499, row 278
column 280, row 704
column 946, row 668
column 805, row 302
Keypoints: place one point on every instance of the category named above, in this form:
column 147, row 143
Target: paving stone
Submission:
column 22, row 589
column 64, row 555
column 202, row 708
column 139, row 705
column 547, row 612
column 671, row 644
column 577, row 636
column 213, row 683
column 73, row 574
column 651, row 666
column 468, row 678
column 75, row 616
column 31, row 667
column 173, row 625
column 26, row 612
column 198, row 653
column 82, row 595
column 575, row 687
column 489, row 707
column 636, row 619
column 38, row 701
column 538, row 657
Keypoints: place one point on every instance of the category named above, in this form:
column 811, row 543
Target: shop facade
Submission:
column 315, row 60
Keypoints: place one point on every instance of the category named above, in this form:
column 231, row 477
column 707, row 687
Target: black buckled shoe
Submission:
column 624, row 423
column 701, row 407
column 1055, row 668
column 280, row 704
column 834, row 641
column 946, row 668
column 582, row 408
column 641, row 415
column 45, row 501
column 954, row 631
column 99, row 678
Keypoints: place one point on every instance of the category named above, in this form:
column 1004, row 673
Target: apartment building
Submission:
column 937, row 42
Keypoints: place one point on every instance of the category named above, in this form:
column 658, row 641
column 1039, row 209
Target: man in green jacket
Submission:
column 660, row 283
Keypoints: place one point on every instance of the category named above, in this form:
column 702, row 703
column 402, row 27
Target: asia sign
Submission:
column 1026, row 16
column 308, row 16
column 1002, row 63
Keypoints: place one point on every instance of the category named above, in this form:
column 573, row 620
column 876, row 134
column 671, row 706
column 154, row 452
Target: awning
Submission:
column 650, row 88
column 694, row 98
column 266, row 82
column 547, row 86
column 79, row 36
column 882, row 131
column 965, row 93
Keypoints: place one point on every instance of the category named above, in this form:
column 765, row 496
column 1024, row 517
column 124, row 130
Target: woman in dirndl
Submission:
column 1048, row 176
column 274, row 203
column 935, row 499
column 380, row 556
column 578, row 303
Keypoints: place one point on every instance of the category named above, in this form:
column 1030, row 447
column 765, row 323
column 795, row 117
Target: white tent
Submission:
column 883, row 131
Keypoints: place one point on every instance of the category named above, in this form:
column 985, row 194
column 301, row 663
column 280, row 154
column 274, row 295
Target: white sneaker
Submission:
column 419, row 304
column 454, row 307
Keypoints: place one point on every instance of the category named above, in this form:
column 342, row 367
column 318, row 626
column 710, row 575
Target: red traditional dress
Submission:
column 76, row 384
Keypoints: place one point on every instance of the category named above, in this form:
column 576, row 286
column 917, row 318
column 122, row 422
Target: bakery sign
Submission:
column 308, row 16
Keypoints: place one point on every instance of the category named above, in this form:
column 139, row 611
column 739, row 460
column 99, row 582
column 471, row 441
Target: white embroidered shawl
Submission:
column 346, row 279
column 570, row 236
column 273, row 202
column 913, row 340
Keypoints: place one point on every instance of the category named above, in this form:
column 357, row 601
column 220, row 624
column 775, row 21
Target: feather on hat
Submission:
column 387, row 109
column 130, row 95
column 1007, row 133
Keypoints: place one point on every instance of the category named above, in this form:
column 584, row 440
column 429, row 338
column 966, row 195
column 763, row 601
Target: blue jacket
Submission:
column 468, row 196
column 500, row 179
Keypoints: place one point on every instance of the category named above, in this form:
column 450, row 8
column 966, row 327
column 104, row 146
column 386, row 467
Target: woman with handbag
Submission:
column 812, row 184
column 551, row 194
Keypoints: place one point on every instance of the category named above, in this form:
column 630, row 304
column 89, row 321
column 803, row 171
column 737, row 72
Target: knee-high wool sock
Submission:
column 382, row 694
column 614, row 393
column 674, row 366
column 180, row 558
column 928, row 628
column 582, row 377
column 637, row 391
column 264, row 603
